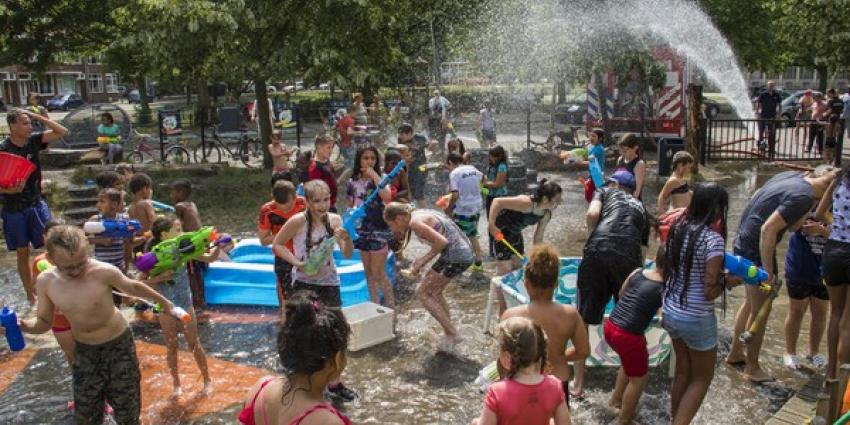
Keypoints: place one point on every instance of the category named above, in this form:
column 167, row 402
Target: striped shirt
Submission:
column 113, row 253
column 709, row 245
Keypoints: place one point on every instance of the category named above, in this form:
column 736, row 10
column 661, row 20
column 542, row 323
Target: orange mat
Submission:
column 11, row 364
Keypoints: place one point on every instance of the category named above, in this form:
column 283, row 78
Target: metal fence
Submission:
column 770, row 140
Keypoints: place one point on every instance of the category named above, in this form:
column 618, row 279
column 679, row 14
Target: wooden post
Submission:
column 834, row 400
column 822, row 405
column 694, row 138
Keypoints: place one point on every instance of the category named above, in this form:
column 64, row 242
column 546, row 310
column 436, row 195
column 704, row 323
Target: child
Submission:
column 311, row 345
column 487, row 125
column 141, row 186
column 302, row 163
column 560, row 322
column 465, row 203
column 190, row 220
column 496, row 183
column 640, row 299
column 110, row 133
column 307, row 230
column 373, row 231
column 835, row 108
column 174, row 285
column 416, row 145
column 280, row 156
column 273, row 215
column 118, row 252
column 455, row 145
column 596, row 151
column 61, row 328
column 399, row 184
column 525, row 395
column 322, row 169
column 631, row 161
column 806, row 289
column 677, row 189
column 345, row 127
column 109, row 179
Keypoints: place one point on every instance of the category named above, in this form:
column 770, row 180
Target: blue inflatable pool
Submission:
column 249, row 279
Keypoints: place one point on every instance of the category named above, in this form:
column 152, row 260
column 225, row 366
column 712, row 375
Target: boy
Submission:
column 273, row 216
column 321, row 167
column 141, row 186
column 416, row 145
column 118, row 252
column 560, row 322
column 109, row 180
column 465, row 202
column 190, row 218
column 105, row 367
column 280, row 156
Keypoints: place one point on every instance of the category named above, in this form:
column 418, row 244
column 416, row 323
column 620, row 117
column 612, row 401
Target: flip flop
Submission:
column 767, row 380
column 577, row 395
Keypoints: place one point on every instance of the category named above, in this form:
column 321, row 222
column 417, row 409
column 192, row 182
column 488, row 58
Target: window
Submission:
column 111, row 83
column 93, row 60
column 96, row 83
column 790, row 73
column 807, row 73
column 23, row 77
column 44, row 86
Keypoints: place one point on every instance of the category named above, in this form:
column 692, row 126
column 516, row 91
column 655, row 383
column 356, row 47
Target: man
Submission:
column 835, row 108
column 106, row 367
column 768, row 106
column 619, row 234
column 24, row 210
column 780, row 205
column 438, row 118
column 415, row 144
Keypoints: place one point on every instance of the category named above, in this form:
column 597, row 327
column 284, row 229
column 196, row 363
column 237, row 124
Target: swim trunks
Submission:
column 107, row 372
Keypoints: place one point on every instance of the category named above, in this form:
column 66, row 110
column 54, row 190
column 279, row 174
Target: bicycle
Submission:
column 174, row 153
column 248, row 150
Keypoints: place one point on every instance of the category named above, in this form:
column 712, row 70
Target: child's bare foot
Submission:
column 736, row 359
column 208, row 387
column 758, row 376
column 177, row 392
column 448, row 343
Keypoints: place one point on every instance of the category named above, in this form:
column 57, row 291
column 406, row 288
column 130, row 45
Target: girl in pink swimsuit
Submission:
column 311, row 343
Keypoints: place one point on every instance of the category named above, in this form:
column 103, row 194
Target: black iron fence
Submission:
column 770, row 140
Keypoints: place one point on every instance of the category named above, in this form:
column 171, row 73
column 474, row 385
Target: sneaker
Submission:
column 477, row 267
column 791, row 361
column 342, row 392
column 818, row 360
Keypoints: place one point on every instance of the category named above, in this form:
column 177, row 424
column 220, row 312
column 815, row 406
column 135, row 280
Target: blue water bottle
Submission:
column 9, row 320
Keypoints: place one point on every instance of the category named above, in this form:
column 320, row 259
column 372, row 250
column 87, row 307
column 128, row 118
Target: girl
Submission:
column 311, row 345
column 373, row 231
column 693, row 279
column 640, row 299
column 308, row 230
column 496, row 182
column 399, row 186
column 522, row 358
column 677, row 190
column 456, row 146
column 455, row 256
column 108, row 128
column 631, row 161
column 174, row 285
column 510, row 215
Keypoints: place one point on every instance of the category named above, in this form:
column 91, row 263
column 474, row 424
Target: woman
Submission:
column 109, row 135
column 677, row 191
column 448, row 244
column 694, row 279
column 631, row 161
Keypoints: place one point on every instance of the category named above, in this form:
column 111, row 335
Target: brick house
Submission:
column 88, row 78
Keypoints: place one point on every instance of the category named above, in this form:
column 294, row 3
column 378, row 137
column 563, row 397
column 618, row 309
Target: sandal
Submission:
column 791, row 361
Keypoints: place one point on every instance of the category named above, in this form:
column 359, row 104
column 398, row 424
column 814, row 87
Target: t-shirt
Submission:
column 840, row 229
column 32, row 189
column 769, row 102
column 492, row 172
column 787, row 193
column 438, row 106
column 836, row 106
column 112, row 130
column 802, row 260
column 488, row 123
column 324, row 171
column 520, row 404
column 846, row 110
column 114, row 252
column 271, row 218
column 466, row 181
column 598, row 151
column 623, row 226
column 417, row 147
column 343, row 125
column 693, row 304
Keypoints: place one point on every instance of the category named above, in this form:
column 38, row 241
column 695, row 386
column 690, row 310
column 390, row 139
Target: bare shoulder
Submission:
column 322, row 417
column 334, row 219
column 570, row 313
column 518, row 311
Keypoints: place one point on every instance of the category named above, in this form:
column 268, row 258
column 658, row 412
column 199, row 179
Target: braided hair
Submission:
column 525, row 343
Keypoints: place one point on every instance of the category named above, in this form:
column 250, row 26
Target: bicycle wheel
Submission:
column 135, row 157
column 177, row 155
column 213, row 154
column 249, row 154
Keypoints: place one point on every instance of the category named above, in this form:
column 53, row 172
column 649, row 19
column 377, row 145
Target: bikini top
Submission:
column 684, row 188
column 246, row 416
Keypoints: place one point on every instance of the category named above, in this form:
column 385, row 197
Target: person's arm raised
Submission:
column 55, row 131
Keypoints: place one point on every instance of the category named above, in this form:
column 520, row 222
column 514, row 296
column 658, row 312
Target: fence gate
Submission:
column 768, row 140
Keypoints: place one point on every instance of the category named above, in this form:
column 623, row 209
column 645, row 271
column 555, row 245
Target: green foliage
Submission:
column 752, row 30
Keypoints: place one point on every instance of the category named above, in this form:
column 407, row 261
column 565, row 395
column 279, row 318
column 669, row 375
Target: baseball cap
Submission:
column 623, row 178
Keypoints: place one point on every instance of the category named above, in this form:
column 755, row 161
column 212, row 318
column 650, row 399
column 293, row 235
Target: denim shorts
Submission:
column 698, row 333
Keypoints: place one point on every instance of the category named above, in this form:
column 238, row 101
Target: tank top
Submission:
column 512, row 221
column 327, row 275
column 113, row 253
column 458, row 249
column 636, row 308
column 628, row 166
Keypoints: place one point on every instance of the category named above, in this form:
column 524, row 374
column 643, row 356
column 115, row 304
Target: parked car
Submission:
column 133, row 96
column 298, row 85
column 571, row 112
column 65, row 101
column 791, row 105
column 325, row 86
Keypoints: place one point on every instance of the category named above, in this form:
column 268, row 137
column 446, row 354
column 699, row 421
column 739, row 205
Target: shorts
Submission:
column 26, row 227
column 698, row 333
column 630, row 347
column 416, row 182
column 800, row 290
column 503, row 253
column 836, row 263
column 329, row 295
column 467, row 223
column 450, row 269
column 348, row 153
column 60, row 323
column 282, row 175
column 283, row 273
column 488, row 134
column 370, row 244
column 107, row 372
column 600, row 276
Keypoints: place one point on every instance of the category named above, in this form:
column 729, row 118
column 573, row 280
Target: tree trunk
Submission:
column 188, row 95
column 202, row 109
column 263, row 114
column 144, row 116
column 696, row 125
column 561, row 90
column 823, row 75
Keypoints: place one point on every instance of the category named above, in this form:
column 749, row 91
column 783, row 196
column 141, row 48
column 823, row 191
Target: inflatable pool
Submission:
column 512, row 286
column 249, row 278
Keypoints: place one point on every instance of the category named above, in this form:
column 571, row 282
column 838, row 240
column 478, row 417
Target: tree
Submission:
column 751, row 28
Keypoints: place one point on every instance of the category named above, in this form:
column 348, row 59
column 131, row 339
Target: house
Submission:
column 86, row 77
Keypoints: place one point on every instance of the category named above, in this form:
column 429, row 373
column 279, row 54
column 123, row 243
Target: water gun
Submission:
column 42, row 265
column 14, row 337
column 443, row 201
column 500, row 237
column 430, row 166
column 161, row 206
column 300, row 190
column 351, row 218
column 104, row 140
column 744, row 268
column 484, row 190
column 173, row 253
column 177, row 312
column 575, row 155
column 117, row 228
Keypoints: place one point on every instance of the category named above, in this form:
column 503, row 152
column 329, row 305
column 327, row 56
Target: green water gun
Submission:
column 173, row 253
column 319, row 256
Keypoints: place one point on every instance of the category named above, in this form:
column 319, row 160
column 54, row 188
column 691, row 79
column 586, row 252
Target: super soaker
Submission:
column 113, row 228
column 744, row 268
column 173, row 253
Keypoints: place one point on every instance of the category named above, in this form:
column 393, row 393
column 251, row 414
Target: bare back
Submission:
column 276, row 412
column 559, row 322
column 189, row 216
column 143, row 211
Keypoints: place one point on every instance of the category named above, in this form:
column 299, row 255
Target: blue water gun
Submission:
column 14, row 337
column 351, row 218
column 744, row 268
column 117, row 228
column 162, row 206
column 300, row 190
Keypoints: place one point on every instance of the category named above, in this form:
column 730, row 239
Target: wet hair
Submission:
column 183, row 186
column 831, row 92
column 53, row 222
column 13, row 115
column 395, row 209
column 682, row 157
column 124, row 169
column 543, row 268
column 355, row 174
column 600, row 134
column 454, row 159
column 139, row 181
column 160, row 226
column 283, row 191
column 311, row 189
column 546, row 188
column 525, row 343
column 405, row 128
column 107, row 179
column 108, row 117
column 661, row 261
column 110, row 194
column 392, row 156
column 710, row 203
column 323, row 139
column 69, row 238
column 630, row 140
column 304, row 158
column 456, row 145
column 310, row 335
column 499, row 153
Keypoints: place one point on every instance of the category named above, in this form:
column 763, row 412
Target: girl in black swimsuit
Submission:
column 677, row 184
column 631, row 161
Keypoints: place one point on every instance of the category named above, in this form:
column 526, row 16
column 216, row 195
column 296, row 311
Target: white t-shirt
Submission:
column 466, row 181
column 487, row 121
